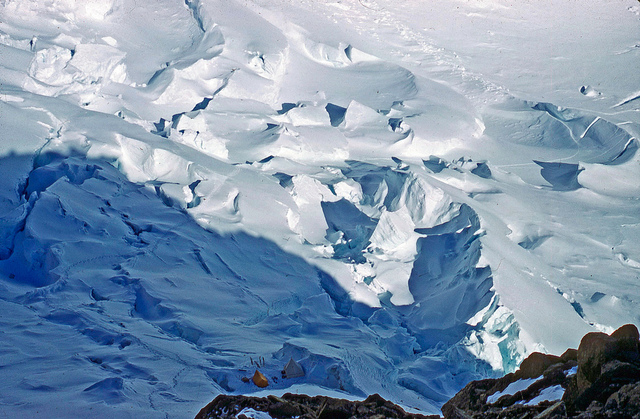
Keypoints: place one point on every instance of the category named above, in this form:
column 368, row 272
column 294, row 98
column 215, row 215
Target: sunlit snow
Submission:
column 401, row 196
column 513, row 388
column 552, row 393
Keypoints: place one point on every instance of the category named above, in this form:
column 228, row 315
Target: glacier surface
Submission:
column 401, row 196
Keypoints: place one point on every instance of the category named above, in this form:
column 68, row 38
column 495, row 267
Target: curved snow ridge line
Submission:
column 586, row 146
column 595, row 139
column 632, row 97
column 289, row 134
column 342, row 55
column 591, row 132
column 174, row 84
column 260, row 55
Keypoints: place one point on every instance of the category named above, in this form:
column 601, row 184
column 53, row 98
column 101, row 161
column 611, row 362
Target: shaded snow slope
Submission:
column 402, row 199
column 159, row 313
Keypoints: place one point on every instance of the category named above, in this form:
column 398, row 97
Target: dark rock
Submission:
column 628, row 331
column 558, row 372
column 471, row 398
column 471, row 402
column 536, row 364
column 607, row 383
column 555, row 411
column 454, row 412
column 570, row 355
column 594, row 407
column 306, row 407
column 614, row 376
column 284, row 409
column 625, row 399
column 595, row 349
column 628, row 343
column 605, row 364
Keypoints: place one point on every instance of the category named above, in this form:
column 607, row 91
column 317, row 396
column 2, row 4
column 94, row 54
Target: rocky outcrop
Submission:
column 305, row 407
column 599, row 380
column 507, row 397
column 606, row 363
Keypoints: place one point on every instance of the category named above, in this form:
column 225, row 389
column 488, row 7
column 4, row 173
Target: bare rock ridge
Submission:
column 601, row 379
column 305, row 407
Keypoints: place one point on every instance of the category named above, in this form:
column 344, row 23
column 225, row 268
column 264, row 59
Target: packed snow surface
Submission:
column 513, row 388
column 402, row 196
column 550, row 394
column 254, row 414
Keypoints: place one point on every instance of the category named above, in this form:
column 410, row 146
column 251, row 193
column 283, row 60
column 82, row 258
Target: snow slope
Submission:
column 401, row 196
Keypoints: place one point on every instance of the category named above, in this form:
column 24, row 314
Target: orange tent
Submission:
column 259, row 379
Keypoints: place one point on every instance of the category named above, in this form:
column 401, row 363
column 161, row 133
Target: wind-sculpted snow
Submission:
column 159, row 303
column 193, row 190
column 561, row 176
column 586, row 138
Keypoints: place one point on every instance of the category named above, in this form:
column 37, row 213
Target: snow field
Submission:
column 402, row 199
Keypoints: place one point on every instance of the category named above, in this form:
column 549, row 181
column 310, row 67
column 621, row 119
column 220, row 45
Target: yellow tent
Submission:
column 259, row 379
